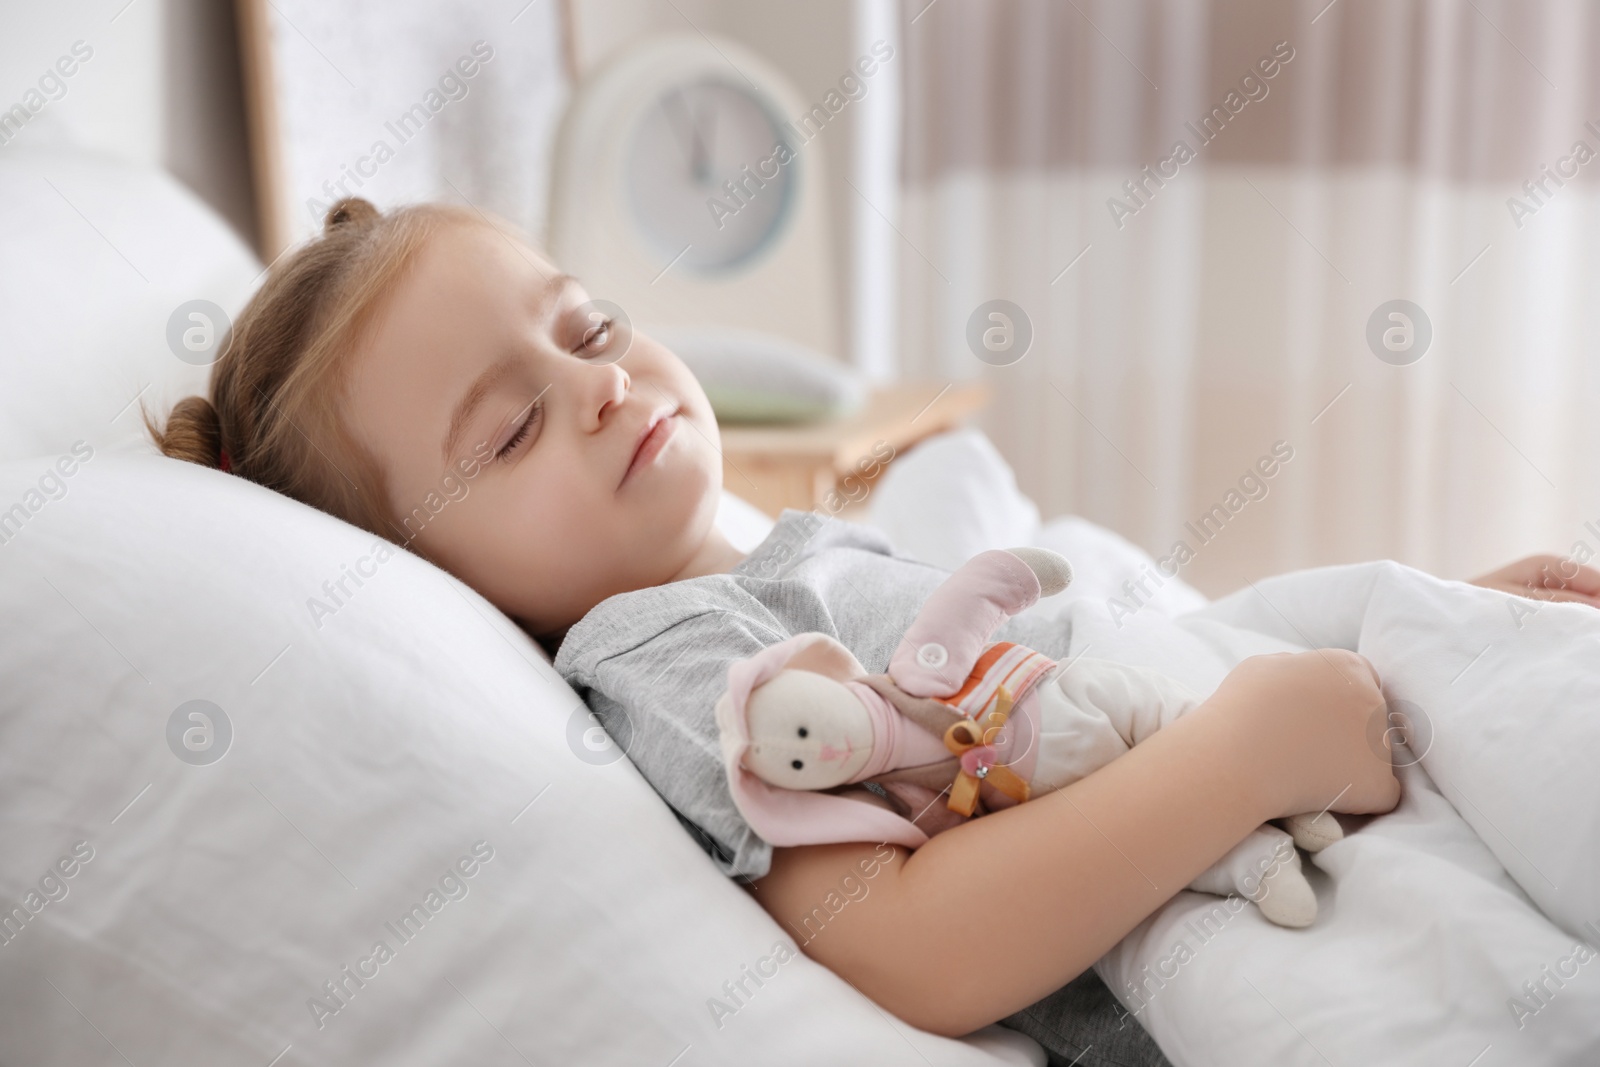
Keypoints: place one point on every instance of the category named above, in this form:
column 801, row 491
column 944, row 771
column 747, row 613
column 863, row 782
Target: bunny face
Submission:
column 807, row 731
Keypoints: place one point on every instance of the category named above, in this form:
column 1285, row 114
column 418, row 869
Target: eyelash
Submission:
column 522, row 432
column 599, row 329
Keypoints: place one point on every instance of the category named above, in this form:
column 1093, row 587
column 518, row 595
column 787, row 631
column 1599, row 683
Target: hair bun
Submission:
column 193, row 432
column 352, row 210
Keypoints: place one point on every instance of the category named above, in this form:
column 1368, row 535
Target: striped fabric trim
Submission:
column 1014, row 666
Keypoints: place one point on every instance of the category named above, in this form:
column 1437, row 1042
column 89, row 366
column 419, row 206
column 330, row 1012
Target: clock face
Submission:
column 710, row 175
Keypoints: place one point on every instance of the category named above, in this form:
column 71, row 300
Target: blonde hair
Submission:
column 273, row 401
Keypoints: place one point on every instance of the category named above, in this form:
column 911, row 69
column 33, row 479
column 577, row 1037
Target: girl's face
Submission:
column 521, row 453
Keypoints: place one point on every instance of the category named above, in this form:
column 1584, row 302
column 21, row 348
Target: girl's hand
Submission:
column 1311, row 727
column 1546, row 577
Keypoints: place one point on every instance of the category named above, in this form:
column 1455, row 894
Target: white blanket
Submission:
column 1433, row 917
column 1450, row 929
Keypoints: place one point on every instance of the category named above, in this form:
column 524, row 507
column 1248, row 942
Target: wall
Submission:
column 161, row 88
column 204, row 142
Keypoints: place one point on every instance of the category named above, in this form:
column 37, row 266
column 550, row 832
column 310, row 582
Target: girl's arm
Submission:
column 989, row 917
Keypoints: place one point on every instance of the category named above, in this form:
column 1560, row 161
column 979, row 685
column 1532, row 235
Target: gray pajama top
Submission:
column 652, row 663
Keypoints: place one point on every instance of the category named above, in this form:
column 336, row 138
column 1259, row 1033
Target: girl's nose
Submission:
column 604, row 387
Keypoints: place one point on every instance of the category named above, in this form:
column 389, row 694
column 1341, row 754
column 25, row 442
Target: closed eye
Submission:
column 535, row 412
column 596, row 336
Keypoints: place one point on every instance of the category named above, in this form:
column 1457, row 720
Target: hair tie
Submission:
column 223, row 463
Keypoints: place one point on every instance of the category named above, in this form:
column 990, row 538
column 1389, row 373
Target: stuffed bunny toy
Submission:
column 979, row 725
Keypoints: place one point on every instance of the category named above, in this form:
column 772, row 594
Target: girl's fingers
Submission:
column 1547, row 577
column 1585, row 581
column 1562, row 579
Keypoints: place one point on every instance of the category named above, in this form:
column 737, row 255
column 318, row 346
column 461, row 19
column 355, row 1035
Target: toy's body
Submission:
column 991, row 725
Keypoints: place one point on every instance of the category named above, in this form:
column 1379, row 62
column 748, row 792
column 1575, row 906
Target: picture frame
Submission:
column 398, row 102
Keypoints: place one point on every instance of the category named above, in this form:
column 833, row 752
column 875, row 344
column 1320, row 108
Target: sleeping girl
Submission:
column 398, row 348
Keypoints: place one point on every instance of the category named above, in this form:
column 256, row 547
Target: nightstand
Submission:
column 830, row 465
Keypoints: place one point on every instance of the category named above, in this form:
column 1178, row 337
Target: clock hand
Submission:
column 683, row 128
column 703, row 163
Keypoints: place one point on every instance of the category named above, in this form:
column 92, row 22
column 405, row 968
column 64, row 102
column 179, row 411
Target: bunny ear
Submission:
column 785, row 817
column 817, row 653
column 821, row 654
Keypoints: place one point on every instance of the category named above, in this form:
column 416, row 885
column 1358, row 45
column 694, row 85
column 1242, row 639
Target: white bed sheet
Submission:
column 1434, row 916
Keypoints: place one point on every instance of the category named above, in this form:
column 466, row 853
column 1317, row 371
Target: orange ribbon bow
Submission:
column 974, row 746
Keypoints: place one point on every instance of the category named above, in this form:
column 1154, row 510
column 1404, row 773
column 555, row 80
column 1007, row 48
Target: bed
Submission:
column 394, row 835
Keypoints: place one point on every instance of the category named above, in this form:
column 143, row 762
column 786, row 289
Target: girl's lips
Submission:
column 651, row 442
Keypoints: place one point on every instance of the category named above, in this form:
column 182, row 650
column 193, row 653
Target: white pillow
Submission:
column 1103, row 561
column 954, row 496
column 951, row 497
column 757, row 377
column 98, row 255
column 742, row 523
column 381, row 735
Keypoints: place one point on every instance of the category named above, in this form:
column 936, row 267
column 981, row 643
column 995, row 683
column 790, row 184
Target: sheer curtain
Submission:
column 1206, row 320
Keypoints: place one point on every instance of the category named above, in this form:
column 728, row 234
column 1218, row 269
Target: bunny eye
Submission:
column 797, row 764
column 804, row 731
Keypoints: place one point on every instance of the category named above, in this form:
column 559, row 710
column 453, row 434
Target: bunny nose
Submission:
column 830, row 753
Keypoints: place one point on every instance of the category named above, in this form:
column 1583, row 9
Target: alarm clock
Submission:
column 688, row 189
